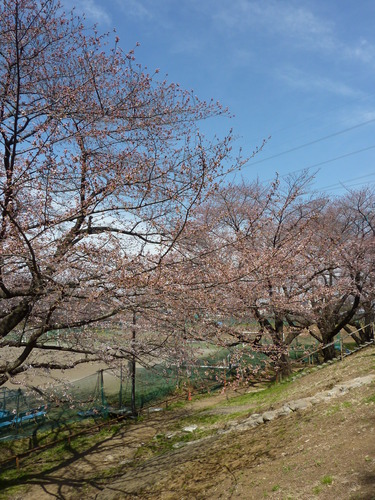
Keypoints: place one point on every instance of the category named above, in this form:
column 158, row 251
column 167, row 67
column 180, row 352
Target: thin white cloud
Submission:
column 361, row 114
column 297, row 79
column 362, row 51
column 93, row 12
column 278, row 18
column 141, row 9
column 243, row 56
column 186, row 45
column 290, row 22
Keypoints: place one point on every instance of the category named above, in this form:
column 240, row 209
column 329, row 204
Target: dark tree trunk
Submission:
column 329, row 352
column 365, row 334
column 284, row 367
column 133, row 368
column 368, row 333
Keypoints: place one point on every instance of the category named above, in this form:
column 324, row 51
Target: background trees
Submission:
column 357, row 209
column 284, row 263
column 262, row 232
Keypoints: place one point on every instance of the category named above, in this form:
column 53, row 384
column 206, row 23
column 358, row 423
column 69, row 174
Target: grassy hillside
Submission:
column 316, row 439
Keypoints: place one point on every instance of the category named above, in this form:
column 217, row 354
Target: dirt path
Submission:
column 325, row 451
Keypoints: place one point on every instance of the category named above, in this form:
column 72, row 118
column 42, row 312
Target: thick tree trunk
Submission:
column 329, row 352
column 368, row 333
column 284, row 368
column 365, row 334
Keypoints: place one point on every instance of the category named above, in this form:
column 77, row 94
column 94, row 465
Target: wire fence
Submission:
column 107, row 393
column 339, row 344
column 103, row 401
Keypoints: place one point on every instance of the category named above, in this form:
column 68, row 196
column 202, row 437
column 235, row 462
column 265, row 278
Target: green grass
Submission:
column 338, row 407
column 347, row 404
column 176, row 405
column 267, row 396
column 326, row 480
column 287, row 468
column 202, row 419
column 13, row 491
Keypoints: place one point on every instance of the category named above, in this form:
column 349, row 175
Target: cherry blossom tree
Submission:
column 357, row 216
column 273, row 255
column 332, row 279
column 335, row 276
column 101, row 167
column 251, row 240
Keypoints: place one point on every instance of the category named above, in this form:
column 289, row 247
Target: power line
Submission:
column 346, row 155
column 344, row 184
column 339, row 157
column 335, row 134
column 348, row 180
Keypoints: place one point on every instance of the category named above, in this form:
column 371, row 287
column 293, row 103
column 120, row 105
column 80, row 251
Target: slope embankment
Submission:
column 313, row 437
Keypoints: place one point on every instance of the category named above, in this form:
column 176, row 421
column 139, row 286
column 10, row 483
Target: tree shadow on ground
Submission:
column 367, row 483
column 49, row 475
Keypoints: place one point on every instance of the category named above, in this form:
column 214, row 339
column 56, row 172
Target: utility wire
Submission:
column 346, row 155
column 348, row 180
column 336, row 158
column 335, row 134
column 344, row 185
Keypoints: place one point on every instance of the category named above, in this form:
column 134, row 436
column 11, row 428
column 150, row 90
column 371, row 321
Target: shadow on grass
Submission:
column 90, row 474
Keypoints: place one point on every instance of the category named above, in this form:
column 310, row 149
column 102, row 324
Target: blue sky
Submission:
column 302, row 72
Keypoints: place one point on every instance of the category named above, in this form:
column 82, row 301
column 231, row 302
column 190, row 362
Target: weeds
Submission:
column 326, row 480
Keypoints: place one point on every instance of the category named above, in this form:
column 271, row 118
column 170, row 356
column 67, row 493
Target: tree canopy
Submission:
column 101, row 166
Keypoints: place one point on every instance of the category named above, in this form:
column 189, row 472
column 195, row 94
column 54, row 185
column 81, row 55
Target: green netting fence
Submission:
column 107, row 393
